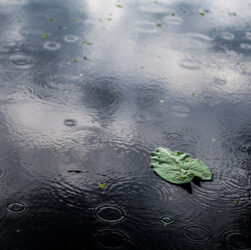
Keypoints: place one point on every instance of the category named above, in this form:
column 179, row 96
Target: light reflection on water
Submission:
column 82, row 110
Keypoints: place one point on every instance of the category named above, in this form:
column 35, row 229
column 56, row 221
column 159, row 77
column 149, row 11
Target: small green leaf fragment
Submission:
column 101, row 185
column 75, row 60
column 165, row 224
column 159, row 25
column 76, row 19
column 45, row 35
column 119, row 6
column 142, row 67
column 236, row 202
column 51, row 19
column 194, row 94
column 18, row 230
column 202, row 13
column 87, row 43
column 109, row 19
column 173, row 14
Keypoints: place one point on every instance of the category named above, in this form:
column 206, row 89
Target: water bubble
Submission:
column 110, row 213
column 196, row 233
column 51, row 45
column 22, row 62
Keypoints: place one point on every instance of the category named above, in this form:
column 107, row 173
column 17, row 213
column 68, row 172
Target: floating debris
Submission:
column 119, row 6
column 87, row 43
column 101, row 185
column 51, row 19
column 202, row 13
column 45, row 35
column 159, row 25
column 75, row 60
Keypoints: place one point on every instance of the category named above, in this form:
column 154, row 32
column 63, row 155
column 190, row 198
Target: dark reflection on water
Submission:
column 89, row 89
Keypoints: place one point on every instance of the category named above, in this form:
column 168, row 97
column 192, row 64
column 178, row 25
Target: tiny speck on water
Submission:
column 109, row 19
column 76, row 19
column 213, row 140
column 159, row 25
column 51, row 19
column 75, row 60
column 173, row 14
column 202, row 13
column 142, row 67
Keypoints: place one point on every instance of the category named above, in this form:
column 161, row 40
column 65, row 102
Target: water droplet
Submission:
column 110, row 213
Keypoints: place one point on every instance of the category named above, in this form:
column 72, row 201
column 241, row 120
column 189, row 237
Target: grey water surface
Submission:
column 89, row 88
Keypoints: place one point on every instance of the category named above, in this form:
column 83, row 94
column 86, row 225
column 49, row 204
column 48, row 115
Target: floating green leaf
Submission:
column 202, row 13
column 177, row 167
column 51, row 19
column 75, row 60
column 76, row 19
column 101, row 185
column 18, row 230
column 173, row 14
column 87, row 43
column 45, row 35
column 119, row 6
column 194, row 94
column 159, row 25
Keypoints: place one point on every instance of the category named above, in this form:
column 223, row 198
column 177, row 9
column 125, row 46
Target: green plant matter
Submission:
column 177, row 167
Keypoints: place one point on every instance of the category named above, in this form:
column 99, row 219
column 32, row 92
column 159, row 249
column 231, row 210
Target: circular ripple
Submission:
column 237, row 240
column 110, row 213
column 112, row 239
column 245, row 46
column 167, row 220
column 196, row 233
column 219, row 81
column 51, row 45
column 45, row 218
column 15, row 207
column 70, row 122
column 102, row 98
column 173, row 136
column 227, row 36
column 71, row 38
column 22, row 62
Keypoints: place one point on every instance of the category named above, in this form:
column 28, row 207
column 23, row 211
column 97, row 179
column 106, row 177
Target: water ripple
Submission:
column 51, row 45
column 22, row 61
column 112, row 239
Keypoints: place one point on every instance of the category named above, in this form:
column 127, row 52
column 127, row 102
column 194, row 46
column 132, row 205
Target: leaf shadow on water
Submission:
column 188, row 186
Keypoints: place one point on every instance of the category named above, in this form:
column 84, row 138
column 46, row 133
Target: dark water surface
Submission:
column 89, row 89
